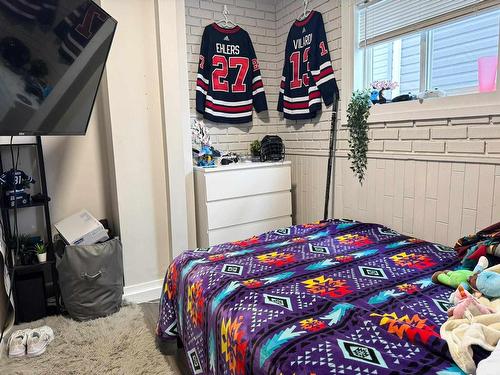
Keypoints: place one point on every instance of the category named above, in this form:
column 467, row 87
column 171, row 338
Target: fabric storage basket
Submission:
column 91, row 279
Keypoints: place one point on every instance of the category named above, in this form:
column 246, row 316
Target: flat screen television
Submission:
column 52, row 57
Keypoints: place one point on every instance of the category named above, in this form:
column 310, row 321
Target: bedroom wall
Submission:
column 437, row 180
column 70, row 163
column 258, row 18
column 434, row 179
column 133, row 112
column 268, row 23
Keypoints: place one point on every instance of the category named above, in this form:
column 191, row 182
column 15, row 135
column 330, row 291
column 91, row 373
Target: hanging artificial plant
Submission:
column 357, row 115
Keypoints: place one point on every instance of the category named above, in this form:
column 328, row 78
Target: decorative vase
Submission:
column 41, row 257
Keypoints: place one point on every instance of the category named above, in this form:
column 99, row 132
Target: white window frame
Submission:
column 466, row 105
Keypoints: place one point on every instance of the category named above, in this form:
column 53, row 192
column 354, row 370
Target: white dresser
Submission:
column 237, row 201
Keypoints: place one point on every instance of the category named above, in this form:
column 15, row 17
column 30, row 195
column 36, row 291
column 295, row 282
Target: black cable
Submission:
column 16, row 229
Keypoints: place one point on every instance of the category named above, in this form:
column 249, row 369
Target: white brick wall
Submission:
column 468, row 137
column 257, row 17
column 430, row 202
column 268, row 23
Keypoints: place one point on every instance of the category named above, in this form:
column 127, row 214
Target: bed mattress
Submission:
column 335, row 297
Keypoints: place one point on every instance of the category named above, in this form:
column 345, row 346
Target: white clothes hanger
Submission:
column 226, row 22
column 306, row 11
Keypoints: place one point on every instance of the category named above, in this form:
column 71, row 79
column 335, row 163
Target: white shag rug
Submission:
column 118, row 344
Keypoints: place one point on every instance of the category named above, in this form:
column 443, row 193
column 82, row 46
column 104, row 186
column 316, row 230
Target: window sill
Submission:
column 459, row 106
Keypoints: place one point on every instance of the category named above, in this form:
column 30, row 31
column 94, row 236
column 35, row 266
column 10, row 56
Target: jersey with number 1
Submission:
column 307, row 72
column 229, row 83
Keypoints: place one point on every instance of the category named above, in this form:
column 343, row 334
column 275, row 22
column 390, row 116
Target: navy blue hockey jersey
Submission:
column 307, row 71
column 229, row 83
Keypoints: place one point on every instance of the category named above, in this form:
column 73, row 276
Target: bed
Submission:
column 334, row 297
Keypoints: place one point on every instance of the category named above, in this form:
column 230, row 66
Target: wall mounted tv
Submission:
column 52, row 56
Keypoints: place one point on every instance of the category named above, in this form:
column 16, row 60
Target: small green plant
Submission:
column 255, row 148
column 358, row 111
column 40, row 248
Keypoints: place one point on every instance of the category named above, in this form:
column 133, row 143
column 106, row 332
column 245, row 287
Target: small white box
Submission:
column 81, row 229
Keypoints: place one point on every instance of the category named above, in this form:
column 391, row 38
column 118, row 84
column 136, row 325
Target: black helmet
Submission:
column 272, row 148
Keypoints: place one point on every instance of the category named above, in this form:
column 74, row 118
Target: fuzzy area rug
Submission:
column 118, row 344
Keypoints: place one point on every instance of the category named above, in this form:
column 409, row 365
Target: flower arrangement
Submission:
column 384, row 85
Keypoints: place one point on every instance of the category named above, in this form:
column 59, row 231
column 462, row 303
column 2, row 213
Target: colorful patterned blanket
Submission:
column 335, row 297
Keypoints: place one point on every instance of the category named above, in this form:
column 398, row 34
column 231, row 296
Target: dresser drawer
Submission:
column 241, row 232
column 241, row 200
column 228, row 212
column 247, row 181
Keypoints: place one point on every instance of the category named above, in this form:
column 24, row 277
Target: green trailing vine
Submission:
column 357, row 115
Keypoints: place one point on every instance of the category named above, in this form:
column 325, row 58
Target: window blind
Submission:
column 385, row 19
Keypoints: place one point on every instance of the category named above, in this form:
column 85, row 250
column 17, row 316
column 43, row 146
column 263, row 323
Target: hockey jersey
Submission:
column 307, row 71
column 229, row 83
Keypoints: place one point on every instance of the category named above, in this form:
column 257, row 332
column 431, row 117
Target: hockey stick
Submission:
column 331, row 157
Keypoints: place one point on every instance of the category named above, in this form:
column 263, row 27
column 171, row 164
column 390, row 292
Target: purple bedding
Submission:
column 335, row 297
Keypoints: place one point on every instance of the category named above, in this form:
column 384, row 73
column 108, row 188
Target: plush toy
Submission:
column 205, row 157
column 452, row 278
column 486, row 280
column 466, row 305
column 459, row 277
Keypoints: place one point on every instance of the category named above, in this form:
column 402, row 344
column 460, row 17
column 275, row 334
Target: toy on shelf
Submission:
column 204, row 155
column 21, row 183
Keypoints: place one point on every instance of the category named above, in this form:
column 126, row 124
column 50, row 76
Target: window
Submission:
column 422, row 47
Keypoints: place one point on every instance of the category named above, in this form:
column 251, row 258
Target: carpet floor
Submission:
column 119, row 344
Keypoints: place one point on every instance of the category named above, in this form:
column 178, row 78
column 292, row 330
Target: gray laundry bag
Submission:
column 91, row 279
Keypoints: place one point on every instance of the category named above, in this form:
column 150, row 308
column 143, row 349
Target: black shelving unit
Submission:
column 46, row 272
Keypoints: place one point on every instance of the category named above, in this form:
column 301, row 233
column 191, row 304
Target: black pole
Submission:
column 43, row 184
column 331, row 156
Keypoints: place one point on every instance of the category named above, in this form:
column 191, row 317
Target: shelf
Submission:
column 33, row 267
column 32, row 204
column 17, row 144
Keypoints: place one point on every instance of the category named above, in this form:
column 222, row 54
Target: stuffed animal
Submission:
column 486, row 280
column 459, row 277
column 452, row 278
column 466, row 305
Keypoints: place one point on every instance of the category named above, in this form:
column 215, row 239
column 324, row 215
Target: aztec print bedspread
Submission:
column 334, row 297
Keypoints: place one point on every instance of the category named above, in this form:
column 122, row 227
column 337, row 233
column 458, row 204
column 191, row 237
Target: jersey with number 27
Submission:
column 307, row 71
column 229, row 84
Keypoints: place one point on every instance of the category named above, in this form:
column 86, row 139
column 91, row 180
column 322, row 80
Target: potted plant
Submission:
column 255, row 150
column 41, row 252
column 358, row 111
